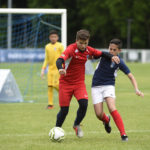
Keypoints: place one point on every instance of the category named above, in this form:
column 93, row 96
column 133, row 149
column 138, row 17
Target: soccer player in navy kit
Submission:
column 71, row 66
column 103, row 88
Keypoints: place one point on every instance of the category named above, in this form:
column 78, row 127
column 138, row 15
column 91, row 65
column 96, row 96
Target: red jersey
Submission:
column 75, row 63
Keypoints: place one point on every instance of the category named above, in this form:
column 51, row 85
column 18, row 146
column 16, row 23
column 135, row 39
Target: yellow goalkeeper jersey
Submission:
column 52, row 52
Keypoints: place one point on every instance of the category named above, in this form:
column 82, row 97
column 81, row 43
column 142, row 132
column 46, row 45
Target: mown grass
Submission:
column 25, row 126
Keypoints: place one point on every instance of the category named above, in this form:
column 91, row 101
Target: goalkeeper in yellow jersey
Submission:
column 53, row 50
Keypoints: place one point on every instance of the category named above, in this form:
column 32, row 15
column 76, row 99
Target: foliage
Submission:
column 108, row 19
column 105, row 19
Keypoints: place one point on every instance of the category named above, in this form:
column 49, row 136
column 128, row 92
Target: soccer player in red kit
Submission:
column 71, row 66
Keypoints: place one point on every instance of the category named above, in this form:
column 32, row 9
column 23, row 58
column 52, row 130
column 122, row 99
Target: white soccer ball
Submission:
column 57, row 134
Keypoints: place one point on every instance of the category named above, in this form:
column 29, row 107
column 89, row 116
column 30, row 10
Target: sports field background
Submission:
column 25, row 126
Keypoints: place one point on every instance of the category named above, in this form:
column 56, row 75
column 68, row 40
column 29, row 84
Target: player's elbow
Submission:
column 130, row 76
column 59, row 63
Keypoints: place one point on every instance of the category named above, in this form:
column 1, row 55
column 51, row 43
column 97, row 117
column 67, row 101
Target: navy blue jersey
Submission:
column 106, row 72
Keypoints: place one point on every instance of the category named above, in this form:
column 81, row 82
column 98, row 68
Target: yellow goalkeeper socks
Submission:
column 50, row 95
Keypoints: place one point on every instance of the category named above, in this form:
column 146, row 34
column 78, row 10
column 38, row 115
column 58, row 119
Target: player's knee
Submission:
column 111, row 109
column 83, row 104
column 64, row 110
column 99, row 115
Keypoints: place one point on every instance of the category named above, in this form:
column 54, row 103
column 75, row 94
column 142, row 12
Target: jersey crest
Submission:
column 76, row 51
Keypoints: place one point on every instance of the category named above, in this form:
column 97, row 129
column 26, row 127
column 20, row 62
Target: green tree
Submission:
column 141, row 25
column 106, row 19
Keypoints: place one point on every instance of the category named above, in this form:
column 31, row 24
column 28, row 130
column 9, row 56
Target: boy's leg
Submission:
column 50, row 96
column 83, row 103
column 65, row 95
column 97, row 98
column 81, row 112
column 57, row 87
column 99, row 111
column 102, row 116
column 81, row 95
column 61, row 116
column 118, row 121
column 116, row 116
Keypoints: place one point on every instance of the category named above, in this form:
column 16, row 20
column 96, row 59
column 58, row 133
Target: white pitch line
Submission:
column 98, row 132
column 72, row 133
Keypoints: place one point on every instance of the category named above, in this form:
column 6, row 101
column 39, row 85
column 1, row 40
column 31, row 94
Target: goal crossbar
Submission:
column 62, row 12
column 32, row 11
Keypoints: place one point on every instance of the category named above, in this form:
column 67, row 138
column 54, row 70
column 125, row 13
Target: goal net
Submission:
column 23, row 36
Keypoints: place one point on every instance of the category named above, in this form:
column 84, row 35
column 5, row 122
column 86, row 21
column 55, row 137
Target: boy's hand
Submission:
column 62, row 71
column 42, row 74
column 115, row 59
column 139, row 93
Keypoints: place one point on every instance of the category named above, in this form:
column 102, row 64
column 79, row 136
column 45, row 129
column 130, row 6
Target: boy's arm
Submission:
column 43, row 69
column 59, row 63
column 98, row 54
column 64, row 56
column 134, row 83
column 114, row 59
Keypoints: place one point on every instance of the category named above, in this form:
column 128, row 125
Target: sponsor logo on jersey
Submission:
column 63, row 55
column 85, row 95
column 55, row 48
column 76, row 51
column 112, row 65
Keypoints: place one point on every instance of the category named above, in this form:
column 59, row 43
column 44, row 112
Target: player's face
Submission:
column 53, row 38
column 82, row 44
column 114, row 50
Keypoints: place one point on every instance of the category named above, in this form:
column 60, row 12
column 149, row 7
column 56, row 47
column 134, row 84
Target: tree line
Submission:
column 128, row 20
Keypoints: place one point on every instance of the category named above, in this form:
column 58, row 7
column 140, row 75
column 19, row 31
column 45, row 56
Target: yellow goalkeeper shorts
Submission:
column 53, row 78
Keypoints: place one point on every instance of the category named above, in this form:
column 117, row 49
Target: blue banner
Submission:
column 19, row 55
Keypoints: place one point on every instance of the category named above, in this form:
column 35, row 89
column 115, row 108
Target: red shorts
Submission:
column 66, row 92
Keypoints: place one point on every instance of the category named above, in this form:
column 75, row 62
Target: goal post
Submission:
column 23, row 37
column 62, row 12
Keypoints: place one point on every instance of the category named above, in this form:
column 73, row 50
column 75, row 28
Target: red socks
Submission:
column 105, row 118
column 118, row 121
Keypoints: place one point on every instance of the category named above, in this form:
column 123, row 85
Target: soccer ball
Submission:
column 57, row 134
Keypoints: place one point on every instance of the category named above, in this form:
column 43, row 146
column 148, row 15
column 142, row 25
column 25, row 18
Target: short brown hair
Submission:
column 117, row 42
column 82, row 35
column 53, row 32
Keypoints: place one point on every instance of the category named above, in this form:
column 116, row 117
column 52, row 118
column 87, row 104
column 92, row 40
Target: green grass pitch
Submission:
column 25, row 126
